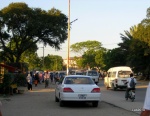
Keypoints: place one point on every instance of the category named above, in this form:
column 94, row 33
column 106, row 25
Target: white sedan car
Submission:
column 77, row 88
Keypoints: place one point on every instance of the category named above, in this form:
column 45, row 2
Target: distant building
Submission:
column 72, row 62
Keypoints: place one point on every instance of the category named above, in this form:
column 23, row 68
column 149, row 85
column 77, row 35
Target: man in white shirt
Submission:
column 129, row 85
column 146, row 107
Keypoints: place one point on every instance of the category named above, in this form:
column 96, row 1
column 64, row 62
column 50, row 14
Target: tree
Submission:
column 143, row 30
column 114, row 57
column 143, row 33
column 148, row 13
column 79, row 62
column 91, row 52
column 89, row 59
column 82, row 47
column 135, row 50
column 53, row 62
column 33, row 60
column 22, row 27
column 99, row 59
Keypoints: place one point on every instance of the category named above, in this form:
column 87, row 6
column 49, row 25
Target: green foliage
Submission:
column 136, row 47
column 99, row 59
column 114, row 57
column 89, row 59
column 32, row 59
column 82, row 47
column 148, row 13
column 92, row 54
column 139, row 56
column 53, row 62
column 7, row 80
column 20, row 79
column 79, row 62
column 142, row 33
column 11, row 78
column 22, row 27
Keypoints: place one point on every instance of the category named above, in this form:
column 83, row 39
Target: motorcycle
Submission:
column 131, row 95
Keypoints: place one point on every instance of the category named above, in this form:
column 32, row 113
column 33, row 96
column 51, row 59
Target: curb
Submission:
column 120, row 107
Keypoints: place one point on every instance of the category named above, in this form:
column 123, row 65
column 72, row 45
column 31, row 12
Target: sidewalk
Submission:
column 40, row 87
column 29, row 103
column 119, row 101
column 142, row 84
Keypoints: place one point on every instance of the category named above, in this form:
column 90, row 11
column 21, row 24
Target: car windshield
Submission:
column 124, row 74
column 92, row 73
column 78, row 80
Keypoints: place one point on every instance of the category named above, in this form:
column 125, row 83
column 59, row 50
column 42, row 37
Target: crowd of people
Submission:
column 35, row 78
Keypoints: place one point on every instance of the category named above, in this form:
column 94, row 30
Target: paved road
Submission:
column 40, row 102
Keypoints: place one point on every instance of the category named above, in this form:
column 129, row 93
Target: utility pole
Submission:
column 69, row 23
column 68, row 56
column 43, row 56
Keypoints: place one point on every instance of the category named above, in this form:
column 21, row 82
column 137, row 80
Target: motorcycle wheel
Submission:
column 132, row 99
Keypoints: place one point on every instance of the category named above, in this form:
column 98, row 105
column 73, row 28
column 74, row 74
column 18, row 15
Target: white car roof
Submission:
column 77, row 76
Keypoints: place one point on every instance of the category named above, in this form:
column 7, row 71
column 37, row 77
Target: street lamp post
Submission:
column 43, row 55
column 68, row 51
column 68, row 38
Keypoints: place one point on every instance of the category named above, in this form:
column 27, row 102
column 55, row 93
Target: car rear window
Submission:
column 78, row 80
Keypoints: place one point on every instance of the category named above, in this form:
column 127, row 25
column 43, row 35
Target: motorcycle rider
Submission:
column 129, row 85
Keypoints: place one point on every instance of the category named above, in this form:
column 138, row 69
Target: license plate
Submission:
column 82, row 96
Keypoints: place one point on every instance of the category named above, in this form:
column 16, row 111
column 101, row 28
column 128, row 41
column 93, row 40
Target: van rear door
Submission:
column 122, row 77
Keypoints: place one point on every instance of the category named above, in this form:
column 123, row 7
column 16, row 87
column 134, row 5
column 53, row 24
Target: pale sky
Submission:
column 100, row 20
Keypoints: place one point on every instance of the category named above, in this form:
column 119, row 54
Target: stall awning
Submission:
column 10, row 68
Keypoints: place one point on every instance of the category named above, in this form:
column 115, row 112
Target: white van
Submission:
column 94, row 75
column 116, row 77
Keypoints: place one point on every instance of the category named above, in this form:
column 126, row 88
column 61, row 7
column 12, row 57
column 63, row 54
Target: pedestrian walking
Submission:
column 29, row 81
column 56, row 78
column 51, row 77
column 36, row 79
column 146, row 107
column 43, row 74
column 40, row 77
column 46, row 77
